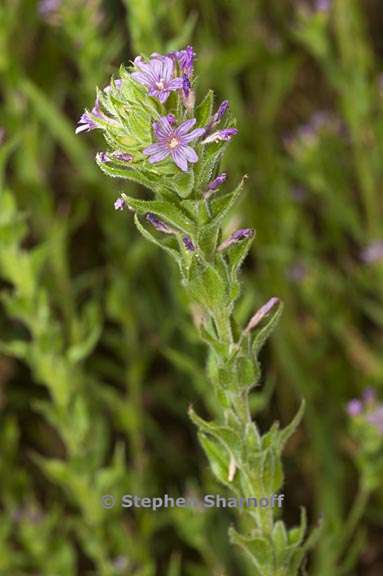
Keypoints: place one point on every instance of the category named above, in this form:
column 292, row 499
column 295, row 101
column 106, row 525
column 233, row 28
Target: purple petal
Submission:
column 162, row 95
column 175, row 84
column 217, row 182
column 189, row 153
column 354, row 407
column 162, row 127
column 180, row 159
column 119, row 204
column 261, row 313
column 142, row 78
column 197, row 133
column 185, row 127
column 154, row 149
column 158, row 224
column 188, row 243
column 167, row 68
column 160, row 155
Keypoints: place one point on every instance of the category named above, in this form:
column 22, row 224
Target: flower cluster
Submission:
column 367, row 410
column 151, row 109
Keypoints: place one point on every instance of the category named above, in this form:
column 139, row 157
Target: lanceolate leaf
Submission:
column 166, row 210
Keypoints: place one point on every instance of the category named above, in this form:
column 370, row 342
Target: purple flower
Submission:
column 237, row 236
column 323, row 5
column 297, row 271
column 157, row 76
column 174, row 141
column 188, row 243
column 119, row 204
column 221, row 135
column 86, row 123
column 373, row 252
column 186, row 86
column 48, row 8
column 117, row 84
column 369, row 395
column 171, row 119
column 217, row 116
column 185, row 60
column 158, row 224
column 223, row 107
column 217, row 182
column 107, row 157
column 354, row 407
column 376, row 418
column 122, row 156
column 102, row 157
column 260, row 314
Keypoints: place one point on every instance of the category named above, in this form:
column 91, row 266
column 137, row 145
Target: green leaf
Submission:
column 91, row 327
column 296, row 535
column 221, row 206
column 204, row 110
column 167, row 210
column 236, row 254
column 258, row 548
column 146, row 234
column 289, row 430
column 279, row 536
column 266, row 327
column 223, row 434
column 183, row 183
column 206, row 285
column 219, row 460
column 116, row 170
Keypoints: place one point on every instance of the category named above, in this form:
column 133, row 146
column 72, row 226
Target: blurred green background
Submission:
column 99, row 360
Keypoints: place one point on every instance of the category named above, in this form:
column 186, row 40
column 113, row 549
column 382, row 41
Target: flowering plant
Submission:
column 160, row 138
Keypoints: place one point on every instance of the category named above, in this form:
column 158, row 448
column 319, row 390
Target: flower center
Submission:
column 173, row 143
column 160, row 84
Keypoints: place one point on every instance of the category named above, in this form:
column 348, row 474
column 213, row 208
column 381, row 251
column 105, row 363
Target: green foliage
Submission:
column 98, row 358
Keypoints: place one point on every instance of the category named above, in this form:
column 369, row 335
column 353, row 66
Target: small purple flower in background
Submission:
column 188, row 243
column 237, row 236
column 158, row 224
column 376, row 418
column 354, row 407
column 368, row 408
column 369, row 395
column 373, row 252
column 157, row 76
column 221, row 135
column 322, row 5
column 119, row 204
column 48, row 8
column 296, row 272
column 217, row 182
column 173, row 141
